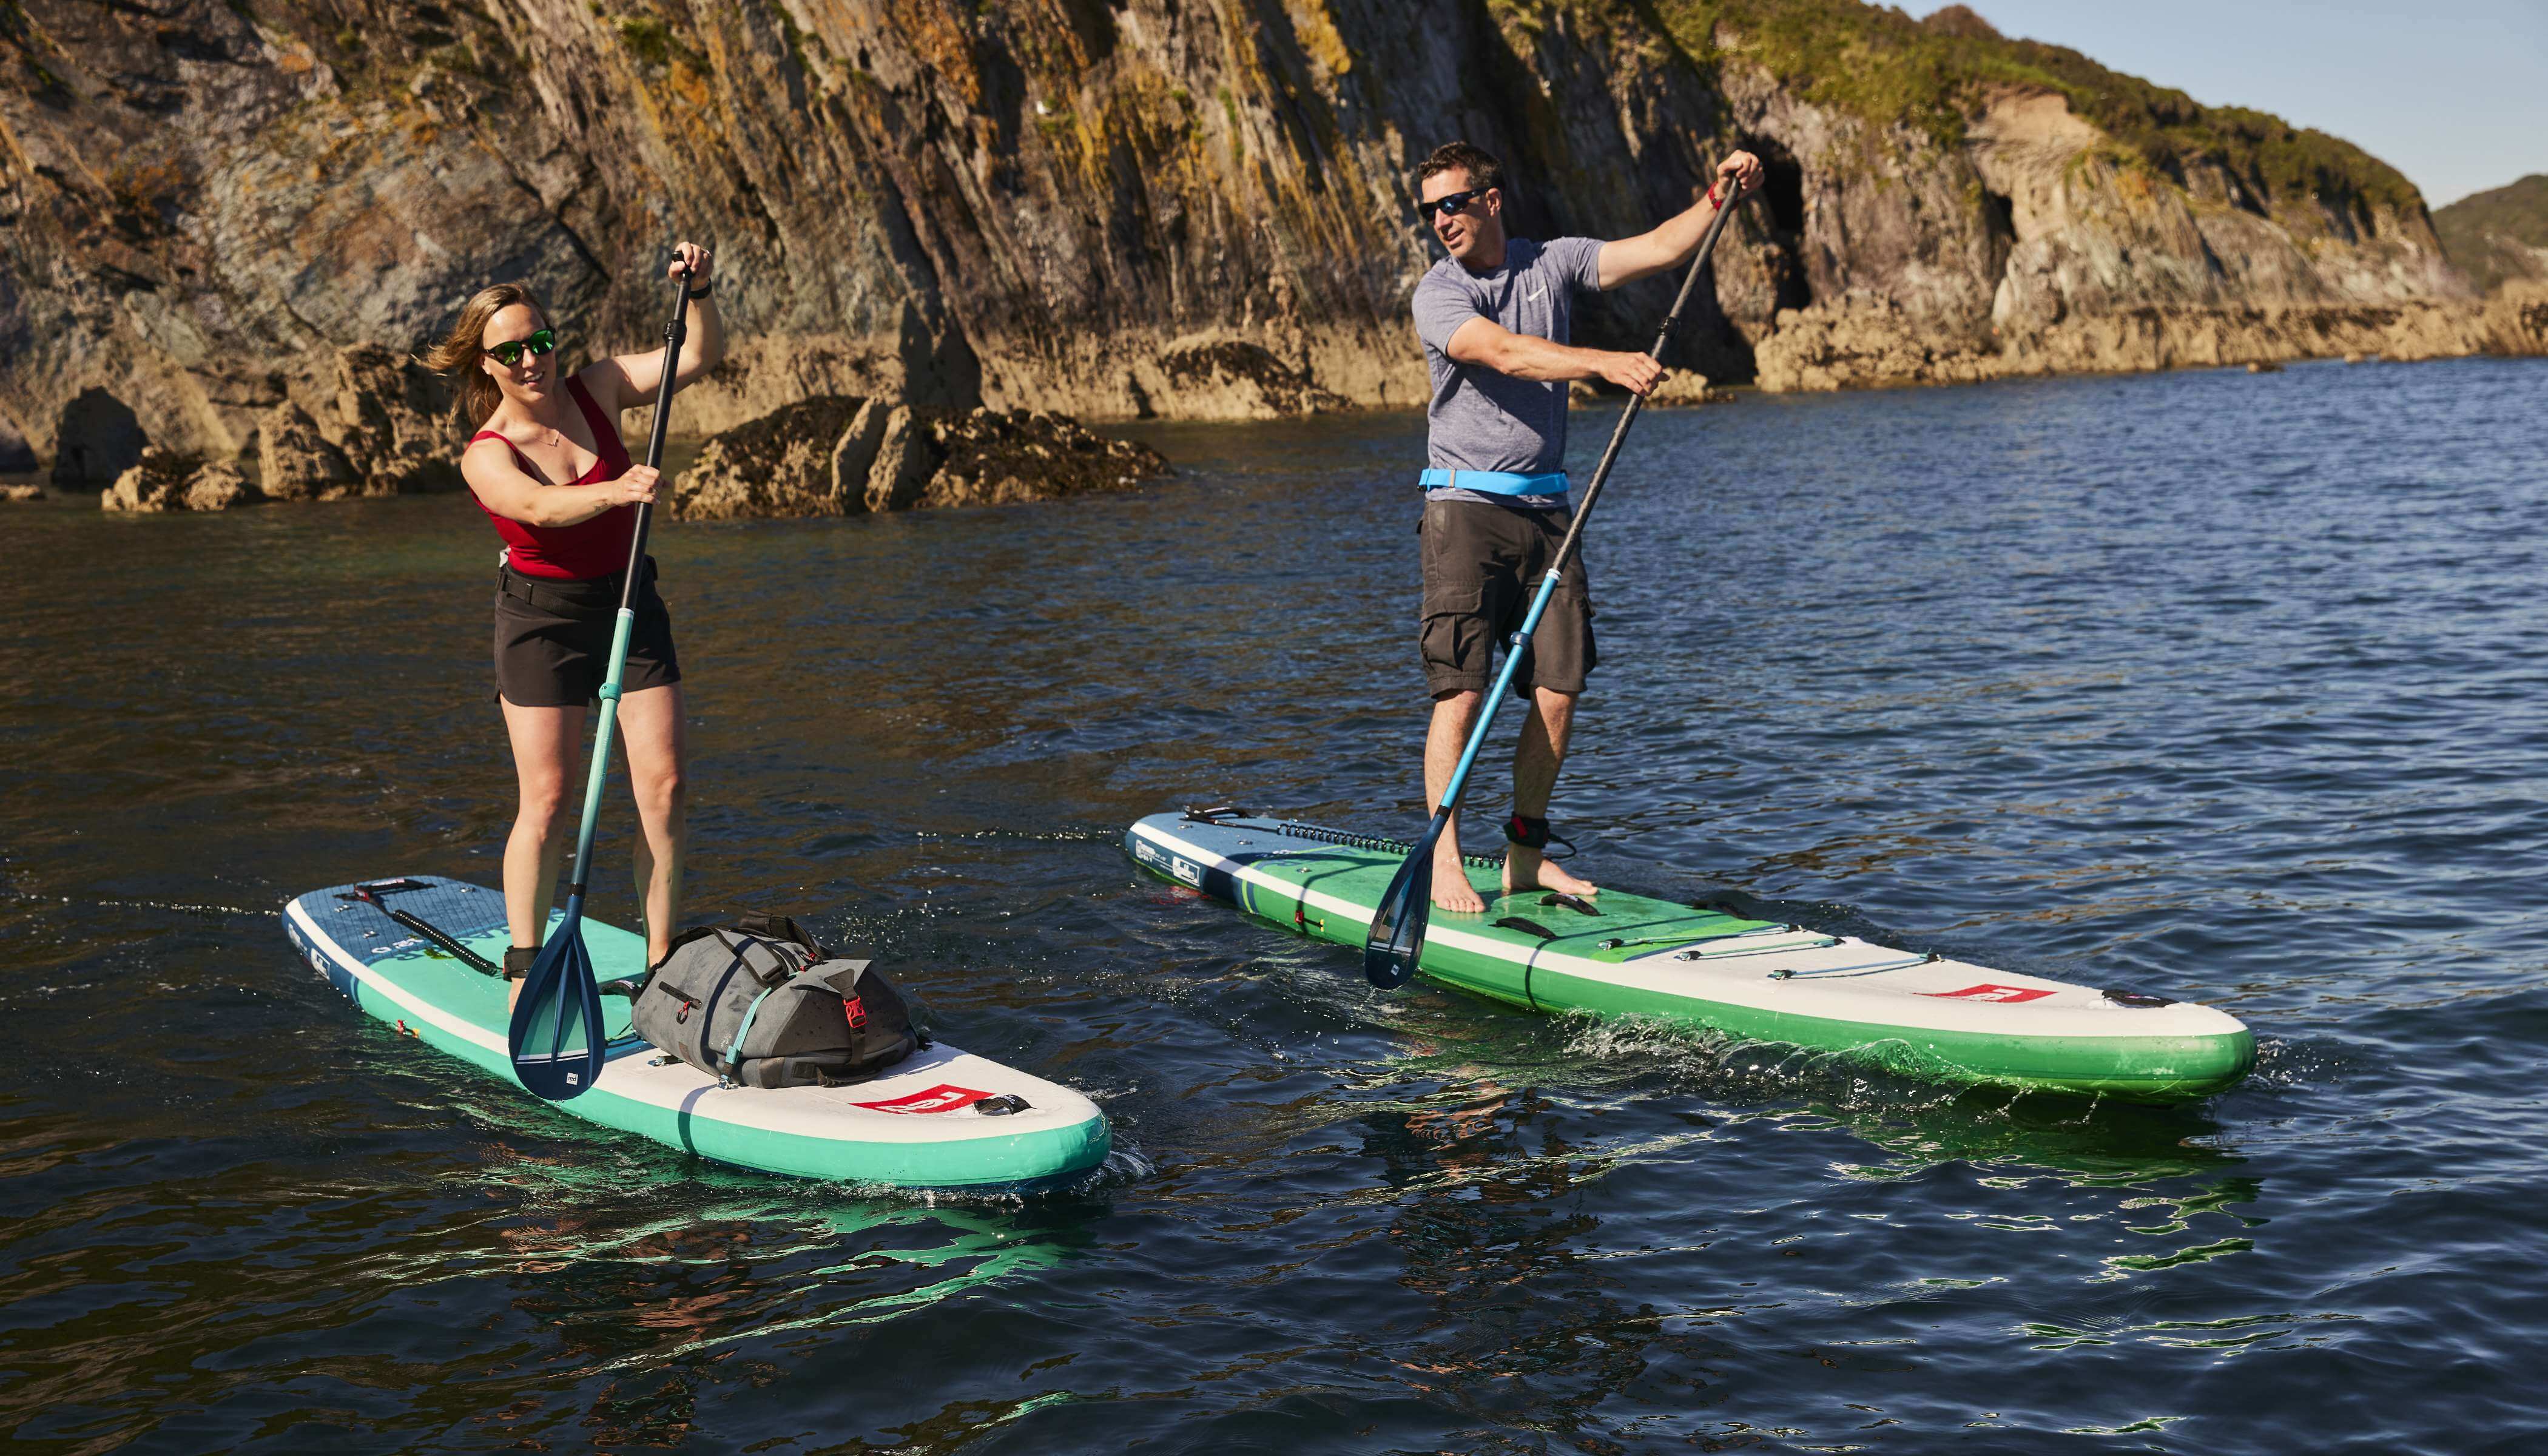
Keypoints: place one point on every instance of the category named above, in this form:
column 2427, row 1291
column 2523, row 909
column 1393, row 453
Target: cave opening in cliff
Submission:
column 1999, row 225
column 1783, row 187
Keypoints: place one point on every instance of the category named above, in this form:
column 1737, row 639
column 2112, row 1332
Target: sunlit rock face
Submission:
column 1147, row 207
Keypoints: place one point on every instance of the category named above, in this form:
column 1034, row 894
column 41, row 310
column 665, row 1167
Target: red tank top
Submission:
column 589, row 548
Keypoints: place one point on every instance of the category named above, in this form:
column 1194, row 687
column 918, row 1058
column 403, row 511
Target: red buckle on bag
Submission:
column 857, row 1007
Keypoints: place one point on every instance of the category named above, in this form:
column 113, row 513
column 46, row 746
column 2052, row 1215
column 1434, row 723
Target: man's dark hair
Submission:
column 1483, row 171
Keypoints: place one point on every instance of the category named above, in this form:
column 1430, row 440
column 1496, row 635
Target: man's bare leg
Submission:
column 1455, row 717
column 1537, row 760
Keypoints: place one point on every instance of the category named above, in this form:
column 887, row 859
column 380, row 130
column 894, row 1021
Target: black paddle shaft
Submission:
column 674, row 334
column 1636, row 402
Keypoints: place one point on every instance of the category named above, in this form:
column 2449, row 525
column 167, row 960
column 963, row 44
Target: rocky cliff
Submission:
column 2500, row 238
column 1124, row 208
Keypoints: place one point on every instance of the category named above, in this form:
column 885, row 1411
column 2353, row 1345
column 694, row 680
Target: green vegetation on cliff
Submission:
column 2496, row 236
column 1886, row 67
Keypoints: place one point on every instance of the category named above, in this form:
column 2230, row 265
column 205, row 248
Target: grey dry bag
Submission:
column 760, row 1004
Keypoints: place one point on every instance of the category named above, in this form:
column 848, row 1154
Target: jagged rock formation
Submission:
column 837, row 455
column 779, row 465
column 2500, row 236
column 164, row 481
column 1129, row 207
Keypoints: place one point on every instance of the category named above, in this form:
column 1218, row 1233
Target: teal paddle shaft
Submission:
column 1398, row 929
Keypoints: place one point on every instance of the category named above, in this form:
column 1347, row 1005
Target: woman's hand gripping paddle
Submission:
column 1398, row 929
column 556, row 1036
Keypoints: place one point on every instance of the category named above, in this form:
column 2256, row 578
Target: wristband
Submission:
column 700, row 292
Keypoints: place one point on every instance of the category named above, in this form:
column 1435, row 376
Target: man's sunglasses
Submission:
column 1445, row 206
column 511, row 351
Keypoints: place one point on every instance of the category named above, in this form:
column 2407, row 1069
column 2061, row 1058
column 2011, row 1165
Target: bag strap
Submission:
column 734, row 1048
column 778, row 928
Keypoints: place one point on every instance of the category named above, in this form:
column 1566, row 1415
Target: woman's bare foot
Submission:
column 1451, row 888
column 1527, row 870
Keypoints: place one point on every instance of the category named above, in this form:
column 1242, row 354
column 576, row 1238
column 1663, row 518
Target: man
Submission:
column 1496, row 318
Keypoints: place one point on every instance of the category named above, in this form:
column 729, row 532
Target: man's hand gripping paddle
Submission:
column 1398, row 929
column 556, row 1038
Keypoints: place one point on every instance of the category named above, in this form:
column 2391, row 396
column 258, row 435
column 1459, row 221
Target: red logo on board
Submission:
column 945, row 1097
column 2004, row 995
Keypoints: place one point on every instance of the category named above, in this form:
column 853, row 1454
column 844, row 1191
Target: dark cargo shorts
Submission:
column 553, row 639
column 1483, row 564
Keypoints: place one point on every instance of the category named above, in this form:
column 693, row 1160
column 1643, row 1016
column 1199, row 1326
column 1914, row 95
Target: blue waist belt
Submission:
column 1497, row 481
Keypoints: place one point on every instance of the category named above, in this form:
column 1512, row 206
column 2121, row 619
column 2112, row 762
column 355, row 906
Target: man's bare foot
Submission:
column 1451, row 888
column 1527, row 870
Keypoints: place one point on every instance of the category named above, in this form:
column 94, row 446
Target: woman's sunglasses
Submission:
column 511, row 351
column 1445, row 206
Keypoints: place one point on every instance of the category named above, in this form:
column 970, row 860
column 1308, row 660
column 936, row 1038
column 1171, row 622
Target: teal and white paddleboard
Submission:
column 939, row 1119
column 1624, row 955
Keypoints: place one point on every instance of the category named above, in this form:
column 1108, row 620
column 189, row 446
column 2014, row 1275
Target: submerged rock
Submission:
column 990, row 458
column 781, row 464
column 840, row 454
column 1682, row 388
column 1235, row 378
column 162, row 480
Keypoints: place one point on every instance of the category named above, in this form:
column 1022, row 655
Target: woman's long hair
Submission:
column 473, row 396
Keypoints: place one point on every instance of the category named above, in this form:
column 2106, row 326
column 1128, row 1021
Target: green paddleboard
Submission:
column 1626, row 954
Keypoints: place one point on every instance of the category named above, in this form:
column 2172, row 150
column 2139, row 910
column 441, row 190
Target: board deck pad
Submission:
column 1626, row 954
column 934, row 1120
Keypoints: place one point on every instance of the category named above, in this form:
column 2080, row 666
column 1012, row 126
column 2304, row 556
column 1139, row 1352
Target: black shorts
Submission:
column 553, row 639
column 1483, row 564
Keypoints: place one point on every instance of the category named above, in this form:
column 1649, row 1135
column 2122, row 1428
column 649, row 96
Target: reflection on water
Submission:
column 2207, row 684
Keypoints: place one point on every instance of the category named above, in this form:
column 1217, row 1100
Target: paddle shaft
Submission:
column 674, row 334
column 1575, row 532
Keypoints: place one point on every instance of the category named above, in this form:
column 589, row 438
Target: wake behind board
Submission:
column 941, row 1118
column 1624, row 955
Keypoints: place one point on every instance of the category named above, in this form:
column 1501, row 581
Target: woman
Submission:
column 547, row 466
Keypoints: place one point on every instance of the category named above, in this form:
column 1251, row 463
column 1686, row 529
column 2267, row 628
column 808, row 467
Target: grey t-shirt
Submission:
column 1480, row 419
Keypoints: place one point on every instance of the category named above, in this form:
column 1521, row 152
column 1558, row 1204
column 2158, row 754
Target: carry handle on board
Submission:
column 1398, row 928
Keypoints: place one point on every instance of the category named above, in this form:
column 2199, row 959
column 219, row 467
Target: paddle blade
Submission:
column 1398, row 928
column 556, row 1038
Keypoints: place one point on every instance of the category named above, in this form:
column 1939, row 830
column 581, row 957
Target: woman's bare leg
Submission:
column 545, row 741
column 651, row 723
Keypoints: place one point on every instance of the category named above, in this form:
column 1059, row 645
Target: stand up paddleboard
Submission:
column 1624, row 955
column 420, row 953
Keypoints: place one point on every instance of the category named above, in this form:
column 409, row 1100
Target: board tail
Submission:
column 556, row 1038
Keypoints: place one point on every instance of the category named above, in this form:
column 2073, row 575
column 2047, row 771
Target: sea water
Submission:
column 2223, row 686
